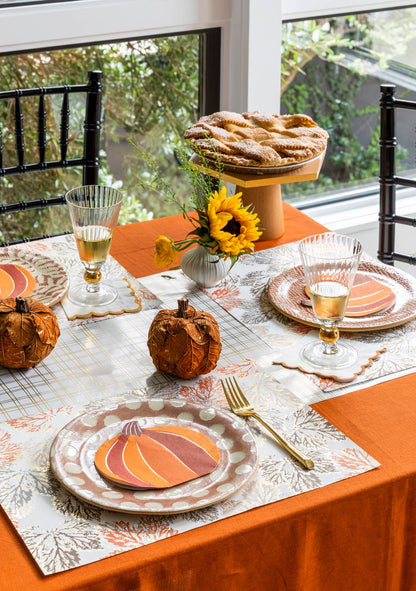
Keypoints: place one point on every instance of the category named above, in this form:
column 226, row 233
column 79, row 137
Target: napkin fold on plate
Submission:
column 15, row 281
column 156, row 457
column 368, row 296
column 126, row 301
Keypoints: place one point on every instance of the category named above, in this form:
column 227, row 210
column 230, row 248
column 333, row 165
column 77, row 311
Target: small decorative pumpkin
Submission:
column 29, row 331
column 184, row 342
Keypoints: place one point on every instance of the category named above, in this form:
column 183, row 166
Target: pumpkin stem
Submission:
column 183, row 307
column 21, row 305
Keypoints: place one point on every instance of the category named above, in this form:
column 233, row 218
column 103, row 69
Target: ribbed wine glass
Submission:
column 330, row 262
column 94, row 211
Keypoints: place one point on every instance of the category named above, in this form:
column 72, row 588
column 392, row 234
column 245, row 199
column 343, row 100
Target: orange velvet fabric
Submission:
column 354, row 535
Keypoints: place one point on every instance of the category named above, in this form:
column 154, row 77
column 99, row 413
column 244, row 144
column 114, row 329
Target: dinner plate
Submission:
column 287, row 290
column 256, row 170
column 52, row 281
column 73, row 450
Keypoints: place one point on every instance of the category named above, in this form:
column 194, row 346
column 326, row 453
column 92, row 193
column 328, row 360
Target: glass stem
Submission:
column 329, row 336
column 329, row 348
column 93, row 288
column 92, row 278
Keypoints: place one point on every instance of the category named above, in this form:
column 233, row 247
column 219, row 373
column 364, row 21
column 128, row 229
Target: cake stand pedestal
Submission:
column 263, row 190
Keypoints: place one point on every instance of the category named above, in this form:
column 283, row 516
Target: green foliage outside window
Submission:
column 325, row 64
column 150, row 96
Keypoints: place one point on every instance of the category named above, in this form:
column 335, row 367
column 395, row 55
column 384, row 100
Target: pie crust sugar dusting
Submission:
column 257, row 139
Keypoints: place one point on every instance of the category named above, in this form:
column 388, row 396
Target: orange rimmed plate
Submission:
column 286, row 293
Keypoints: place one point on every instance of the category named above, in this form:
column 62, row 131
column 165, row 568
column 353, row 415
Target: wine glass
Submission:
column 330, row 262
column 94, row 212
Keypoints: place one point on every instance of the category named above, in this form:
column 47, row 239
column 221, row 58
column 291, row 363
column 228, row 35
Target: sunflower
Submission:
column 231, row 225
column 165, row 251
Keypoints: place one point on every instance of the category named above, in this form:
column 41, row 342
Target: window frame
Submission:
column 301, row 9
column 250, row 35
column 250, row 43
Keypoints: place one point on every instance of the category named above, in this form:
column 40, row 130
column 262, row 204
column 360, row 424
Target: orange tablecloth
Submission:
column 354, row 535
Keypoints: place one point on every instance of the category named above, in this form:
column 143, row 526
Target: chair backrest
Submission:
column 89, row 160
column 388, row 179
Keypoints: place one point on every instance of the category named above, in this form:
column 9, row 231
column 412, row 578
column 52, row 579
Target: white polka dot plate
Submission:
column 73, row 450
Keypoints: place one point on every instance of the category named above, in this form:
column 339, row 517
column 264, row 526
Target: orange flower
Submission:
column 165, row 251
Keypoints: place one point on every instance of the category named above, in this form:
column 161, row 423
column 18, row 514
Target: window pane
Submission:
column 332, row 70
column 150, row 96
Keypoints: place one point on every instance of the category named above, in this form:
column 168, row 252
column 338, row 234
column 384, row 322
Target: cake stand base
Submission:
column 267, row 203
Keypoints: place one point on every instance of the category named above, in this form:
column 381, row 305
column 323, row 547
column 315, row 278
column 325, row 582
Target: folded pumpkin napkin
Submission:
column 156, row 457
column 367, row 297
column 15, row 281
column 126, row 301
column 291, row 357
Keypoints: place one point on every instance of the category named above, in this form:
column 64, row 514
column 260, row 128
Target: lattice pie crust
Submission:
column 257, row 139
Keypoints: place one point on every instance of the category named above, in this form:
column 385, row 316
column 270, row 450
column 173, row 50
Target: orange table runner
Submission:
column 354, row 535
column 133, row 245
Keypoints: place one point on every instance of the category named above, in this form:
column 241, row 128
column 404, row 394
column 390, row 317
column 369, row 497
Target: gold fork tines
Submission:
column 240, row 406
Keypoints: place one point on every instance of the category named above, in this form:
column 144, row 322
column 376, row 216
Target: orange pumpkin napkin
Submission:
column 15, row 281
column 156, row 457
column 367, row 296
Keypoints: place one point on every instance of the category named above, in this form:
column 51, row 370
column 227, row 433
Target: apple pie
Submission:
column 257, row 139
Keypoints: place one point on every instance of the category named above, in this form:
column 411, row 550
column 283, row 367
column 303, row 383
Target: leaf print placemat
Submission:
column 63, row 249
column 244, row 294
column 62, row 532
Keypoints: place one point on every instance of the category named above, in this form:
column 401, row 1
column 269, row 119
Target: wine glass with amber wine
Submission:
column 94, row 211
column 330, row 262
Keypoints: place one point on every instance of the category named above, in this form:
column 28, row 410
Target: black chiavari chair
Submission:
column 88, row 160
column 388, row 218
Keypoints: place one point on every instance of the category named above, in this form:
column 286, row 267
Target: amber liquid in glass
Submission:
column 329, row 300
column 93, row 243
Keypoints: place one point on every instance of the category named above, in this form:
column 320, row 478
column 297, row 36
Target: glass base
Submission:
column 344, row 356
column 79, row 295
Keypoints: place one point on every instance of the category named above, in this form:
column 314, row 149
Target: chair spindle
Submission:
column 19, row 132
column 64, row 126
column 42, row 129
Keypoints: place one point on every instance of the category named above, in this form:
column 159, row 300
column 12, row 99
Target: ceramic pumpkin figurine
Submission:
column 184, row 342
column 29, row 331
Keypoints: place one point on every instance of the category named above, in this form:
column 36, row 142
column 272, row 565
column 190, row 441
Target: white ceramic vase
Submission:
column 203, row 267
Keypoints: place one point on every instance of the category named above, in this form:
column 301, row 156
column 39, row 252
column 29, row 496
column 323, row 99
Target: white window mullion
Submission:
column 252, row 57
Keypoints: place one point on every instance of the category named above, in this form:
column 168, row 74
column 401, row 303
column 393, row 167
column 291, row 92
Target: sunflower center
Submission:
column 233, row 227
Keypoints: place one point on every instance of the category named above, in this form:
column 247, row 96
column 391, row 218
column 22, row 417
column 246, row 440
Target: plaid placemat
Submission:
column 94, row 359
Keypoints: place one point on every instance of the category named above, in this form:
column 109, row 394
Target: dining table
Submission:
column 357, row 534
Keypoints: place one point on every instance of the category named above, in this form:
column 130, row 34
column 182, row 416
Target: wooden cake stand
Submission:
column 263, row 190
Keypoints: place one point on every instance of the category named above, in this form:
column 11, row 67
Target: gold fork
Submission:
column 240, row 406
